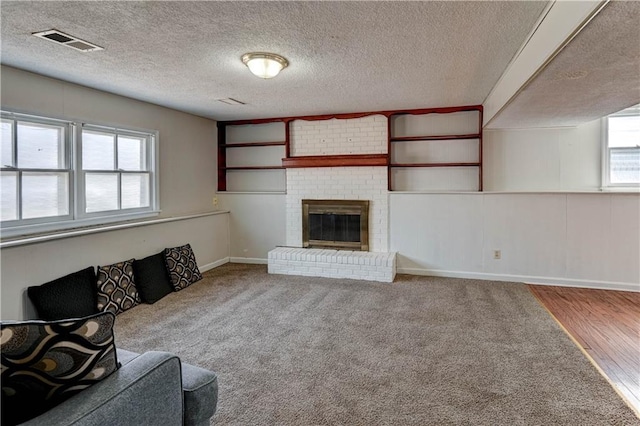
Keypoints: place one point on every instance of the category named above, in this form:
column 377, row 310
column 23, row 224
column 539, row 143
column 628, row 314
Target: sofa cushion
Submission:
column 200, row 390
column 117, row 290
column 152, row 278
column 72, row 296
column 46, row 362
column 182, row 266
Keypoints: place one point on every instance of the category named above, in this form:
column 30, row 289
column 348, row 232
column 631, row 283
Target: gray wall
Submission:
column 188, row 181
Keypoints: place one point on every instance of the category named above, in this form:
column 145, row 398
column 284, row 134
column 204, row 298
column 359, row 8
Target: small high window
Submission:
column 622, row 148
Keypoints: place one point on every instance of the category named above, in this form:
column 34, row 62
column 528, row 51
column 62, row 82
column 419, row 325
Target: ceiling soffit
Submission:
column 596, row 74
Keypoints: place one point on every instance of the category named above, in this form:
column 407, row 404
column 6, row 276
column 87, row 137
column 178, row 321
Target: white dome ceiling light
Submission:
column 264, row 65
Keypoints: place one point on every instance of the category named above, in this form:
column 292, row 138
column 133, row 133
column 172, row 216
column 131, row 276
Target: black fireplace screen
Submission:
column 334, row 227
column 338, row 224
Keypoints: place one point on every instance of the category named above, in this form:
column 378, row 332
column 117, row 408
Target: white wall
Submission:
column 590, row 240
column 256, row 224
column 575, row 238
column 187, row 172
column 556, row 159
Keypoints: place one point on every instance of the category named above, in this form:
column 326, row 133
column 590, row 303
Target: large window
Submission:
column 115, row 170
column 58, row 174
column 622, row 148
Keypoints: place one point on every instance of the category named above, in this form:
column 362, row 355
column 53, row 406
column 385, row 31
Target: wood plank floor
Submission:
column 606, row 324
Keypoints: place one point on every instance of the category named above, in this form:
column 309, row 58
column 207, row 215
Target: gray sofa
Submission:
column 153, row 388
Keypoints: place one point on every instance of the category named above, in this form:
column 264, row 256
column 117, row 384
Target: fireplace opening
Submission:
column 337, row 224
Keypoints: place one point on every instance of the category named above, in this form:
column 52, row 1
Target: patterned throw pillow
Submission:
column 117, row 290
column 182, row 266
column 45, row 362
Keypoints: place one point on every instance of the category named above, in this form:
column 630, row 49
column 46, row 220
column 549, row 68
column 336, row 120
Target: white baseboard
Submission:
column 561, row 282
column 255, row 260
column 209, row 266
column 527, row 279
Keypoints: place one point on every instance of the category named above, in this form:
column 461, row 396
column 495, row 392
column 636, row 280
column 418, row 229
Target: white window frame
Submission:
column 73, row 150
column 606, row 152
column 150, row 167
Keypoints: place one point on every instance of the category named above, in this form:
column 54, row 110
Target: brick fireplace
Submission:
column 336, row 137
column 367, row 135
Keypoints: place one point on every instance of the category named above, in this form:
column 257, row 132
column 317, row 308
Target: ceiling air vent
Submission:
column 68, row 40
column 230, row 101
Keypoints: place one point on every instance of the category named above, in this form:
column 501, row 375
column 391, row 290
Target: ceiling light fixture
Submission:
column 264, row 65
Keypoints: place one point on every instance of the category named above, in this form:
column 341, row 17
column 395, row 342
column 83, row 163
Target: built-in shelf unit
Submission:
column 436, row 149
column 250, row 157
column 428, row 149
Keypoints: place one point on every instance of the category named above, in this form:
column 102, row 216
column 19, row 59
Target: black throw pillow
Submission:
column 152, row 278
column 72, row 296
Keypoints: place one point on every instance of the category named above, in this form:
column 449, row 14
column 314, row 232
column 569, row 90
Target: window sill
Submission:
column 78, row 231
column 633, row 189
column 44, row 228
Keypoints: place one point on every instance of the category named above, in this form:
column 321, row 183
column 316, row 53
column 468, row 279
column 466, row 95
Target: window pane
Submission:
column 131, row 153
column 40, row 146
column 8, row 196
column 98, row 150
column 101, row 192
column 6, row 153
column 135, row 190
column 45, row 194
column 625, row 165
column 624, row 131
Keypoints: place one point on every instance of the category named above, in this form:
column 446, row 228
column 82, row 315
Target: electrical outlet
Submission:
column 215, row 201
column 497, row 254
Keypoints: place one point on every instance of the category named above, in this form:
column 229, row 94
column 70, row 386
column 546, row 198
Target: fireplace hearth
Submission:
column 336, row 224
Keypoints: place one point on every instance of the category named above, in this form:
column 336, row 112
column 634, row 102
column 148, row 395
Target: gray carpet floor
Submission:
column 421, row 351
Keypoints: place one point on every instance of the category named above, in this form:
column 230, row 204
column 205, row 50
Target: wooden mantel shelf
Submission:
column 354, row 160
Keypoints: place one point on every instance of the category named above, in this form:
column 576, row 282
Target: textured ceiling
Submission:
column 344, row 56
column 596, row 74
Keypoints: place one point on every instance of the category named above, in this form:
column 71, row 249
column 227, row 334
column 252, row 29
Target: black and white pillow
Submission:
column 182, row 266
column 45, row 362
column 117, row 290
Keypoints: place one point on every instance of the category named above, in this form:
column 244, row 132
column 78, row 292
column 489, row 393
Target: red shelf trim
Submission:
column 251, row 144
column 435, row 165
column 434, row 138
column 336, row 161
column 344, row 116
column 254, row 168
